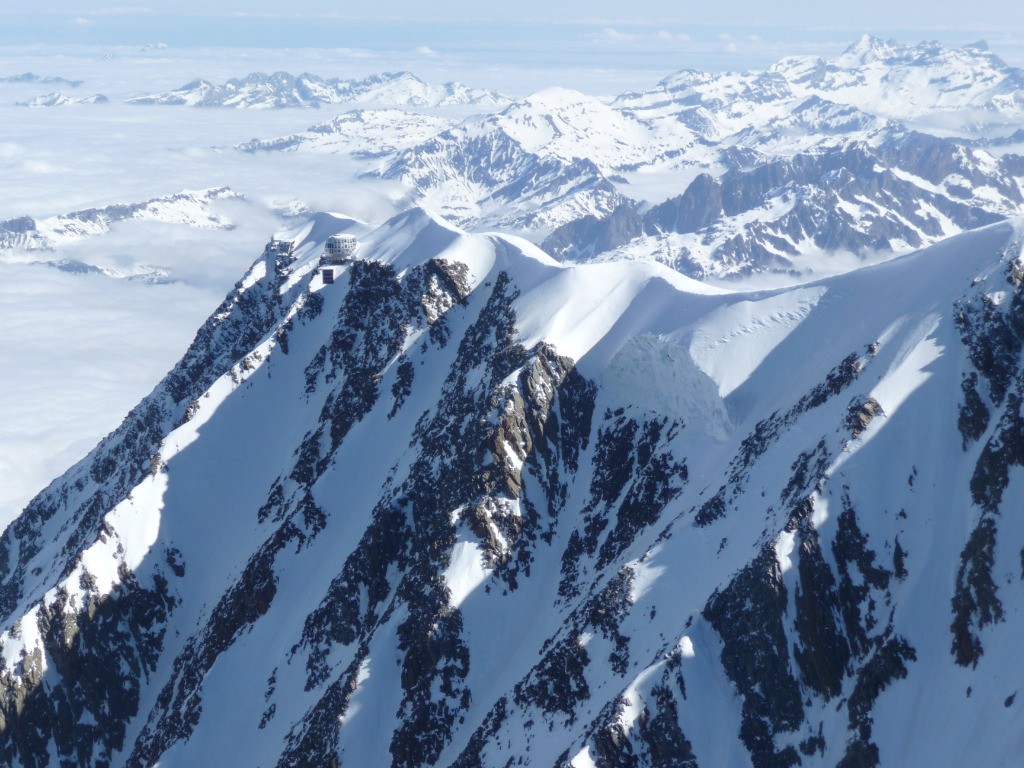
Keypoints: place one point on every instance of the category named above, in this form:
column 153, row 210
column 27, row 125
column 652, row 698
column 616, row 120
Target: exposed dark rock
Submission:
column 818, row 187
column 314, row 740
column 860, row 413
column 558, row 682
column 824, row 653
column 103, row 653
column 655, row 740
column 657, row 480
column 712, row 509
column 747, row 615
column 1003, row 450
column 974, row 414
column 588, row 236
column 886, row 665
column 976, row 603
column 899, row 559
column 179, row 704
column 471, row 755
column 402, row 387
column 635, row 477
column 808, row 469
column 769, row 430
column 858, row 575
column 992, row 342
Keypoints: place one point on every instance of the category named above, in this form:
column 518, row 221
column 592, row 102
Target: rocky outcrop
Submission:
column 854, row 198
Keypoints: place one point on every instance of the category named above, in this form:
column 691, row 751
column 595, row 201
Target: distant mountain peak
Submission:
column 868, row 48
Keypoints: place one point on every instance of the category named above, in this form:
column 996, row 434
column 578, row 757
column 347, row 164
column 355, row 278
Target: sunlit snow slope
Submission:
column 467, row 506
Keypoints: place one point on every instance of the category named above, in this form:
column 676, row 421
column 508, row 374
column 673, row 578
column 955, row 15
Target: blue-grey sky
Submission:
column 468, row 36
column 953, row 13
column 51, row 17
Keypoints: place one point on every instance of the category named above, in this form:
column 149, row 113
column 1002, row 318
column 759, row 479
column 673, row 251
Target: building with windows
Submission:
column 339, row 249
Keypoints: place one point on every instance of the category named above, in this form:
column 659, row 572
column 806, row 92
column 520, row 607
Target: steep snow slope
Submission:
column 466, row 506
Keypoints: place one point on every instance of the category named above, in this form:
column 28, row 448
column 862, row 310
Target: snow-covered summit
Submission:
column 569, row 125
column 866, row 49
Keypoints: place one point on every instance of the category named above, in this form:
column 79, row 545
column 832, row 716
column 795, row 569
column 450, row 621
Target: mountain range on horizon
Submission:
column 756, row 171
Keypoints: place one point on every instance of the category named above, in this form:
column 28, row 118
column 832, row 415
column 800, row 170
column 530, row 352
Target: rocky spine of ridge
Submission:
column 545, row 573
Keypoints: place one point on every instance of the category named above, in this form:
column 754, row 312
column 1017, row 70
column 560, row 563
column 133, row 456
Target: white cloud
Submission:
column 673, row 37
column 39, row 166
column 425, row 50
column 83, row 22
column 121, row 10
column 728, row 43
column 612, row 36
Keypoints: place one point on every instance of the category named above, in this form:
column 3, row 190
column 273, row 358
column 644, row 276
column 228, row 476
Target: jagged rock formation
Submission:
column 427, row 515
column 909, row 191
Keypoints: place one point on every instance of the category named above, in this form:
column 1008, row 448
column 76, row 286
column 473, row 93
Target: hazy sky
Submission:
column 749, row 29
column 915, row 13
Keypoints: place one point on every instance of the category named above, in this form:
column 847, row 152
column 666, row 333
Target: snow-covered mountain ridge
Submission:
column 188, row 207
column 878, row 78
column 466, row 505
column 31, row 77
column 367, row 133
column 258, row 90
column 909, row 191
column 58, row 99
